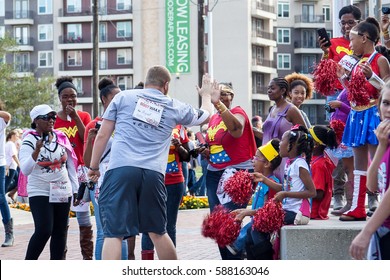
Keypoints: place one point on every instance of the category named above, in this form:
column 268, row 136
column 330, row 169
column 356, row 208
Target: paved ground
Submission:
column 191, row 245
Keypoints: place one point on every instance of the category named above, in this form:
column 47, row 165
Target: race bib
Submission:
column 148, row 111
column 59, row 192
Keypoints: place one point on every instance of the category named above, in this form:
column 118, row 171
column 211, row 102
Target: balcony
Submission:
column 259, row 90
column 309, row 21
column 73, row 43
column 21, row 17
column 85, row 15
column 23, row 67
column 263, row 10
column 264, row 35
column 307, row 47
column 263, row 65
column 263, row 38
column 24, row 44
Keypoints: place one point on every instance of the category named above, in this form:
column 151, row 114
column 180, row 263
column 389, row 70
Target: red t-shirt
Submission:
column 71, row 131
column 90, row 125
column 321, row 170
column 174, row 172
column 225, row 150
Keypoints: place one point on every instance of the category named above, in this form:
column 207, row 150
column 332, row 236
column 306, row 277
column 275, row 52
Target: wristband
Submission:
column 93, row 169
column 376, row 81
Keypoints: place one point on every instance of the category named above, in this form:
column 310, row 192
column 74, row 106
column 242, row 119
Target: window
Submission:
column 125, row 82
column 308, row 62
column 284, row 61
column 123, row 56
column 74, row 33
column 22, row 63
column 73, row 6
column 283, row 10
column 123, row 5
column 283, row 35
column 45, row 32
column 78, row 83
column 326, row 12
column 123, row 29
column 2, row 31
column 45, row 59
column 103, row 59
column 258, row 55
column 74, row 58
column 2, row 59
column 309, row 38
column 102, row 7
column 21, row 35
column 258, row 83
column 2, row 8
column 102, row 32
column 21, row 8
column 45, row 7
column 308, row 13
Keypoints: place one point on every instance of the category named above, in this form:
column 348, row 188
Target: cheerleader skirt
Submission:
column 360, row 128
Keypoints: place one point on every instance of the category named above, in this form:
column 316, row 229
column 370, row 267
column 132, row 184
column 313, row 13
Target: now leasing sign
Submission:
column 177, row 35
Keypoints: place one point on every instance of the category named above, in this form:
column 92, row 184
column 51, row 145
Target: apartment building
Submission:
column 55, row 38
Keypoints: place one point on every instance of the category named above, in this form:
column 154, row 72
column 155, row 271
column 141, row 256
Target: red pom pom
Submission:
column 221, row 226
column 239, row 187
column 325, row 77
column 269, row 218
column 357, row 92
column 338, row 127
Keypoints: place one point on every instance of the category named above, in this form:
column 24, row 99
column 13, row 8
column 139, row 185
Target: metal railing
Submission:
column 263, row 62
column 309, row 19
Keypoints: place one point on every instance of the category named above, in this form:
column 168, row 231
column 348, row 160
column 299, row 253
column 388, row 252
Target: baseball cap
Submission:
column 40, row 110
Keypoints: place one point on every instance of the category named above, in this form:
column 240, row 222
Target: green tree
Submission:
column 21, row 94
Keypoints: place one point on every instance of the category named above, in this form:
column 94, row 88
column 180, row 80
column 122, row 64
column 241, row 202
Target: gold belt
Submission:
column 364, row 107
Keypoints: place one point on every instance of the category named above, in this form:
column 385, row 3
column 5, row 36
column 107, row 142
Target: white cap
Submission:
column 40, row 110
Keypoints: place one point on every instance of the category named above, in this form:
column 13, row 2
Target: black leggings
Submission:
column 50, row 220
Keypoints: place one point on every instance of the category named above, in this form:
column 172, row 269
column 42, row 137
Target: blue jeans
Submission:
column 184, row 166
column 4, row 208
column 11, row 181
column 200, row 186
column 99, row 232
column 239, row 244
column 175, row 194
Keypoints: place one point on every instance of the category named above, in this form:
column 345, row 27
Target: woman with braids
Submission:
column 72, row 122
column 281, row 116
column 366, row 80
column 321, row 170
column 301, row 89
column 107, row 92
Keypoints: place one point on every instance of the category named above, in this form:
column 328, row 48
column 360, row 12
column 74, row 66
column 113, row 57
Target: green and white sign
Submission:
column 177, row 14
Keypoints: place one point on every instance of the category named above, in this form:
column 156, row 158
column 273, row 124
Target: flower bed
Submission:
column 193, row 202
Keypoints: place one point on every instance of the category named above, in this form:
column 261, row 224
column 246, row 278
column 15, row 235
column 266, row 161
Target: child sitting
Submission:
column 265, row 161
column 321, row 169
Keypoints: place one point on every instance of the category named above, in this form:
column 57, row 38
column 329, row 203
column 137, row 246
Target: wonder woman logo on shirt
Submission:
column 69, row 131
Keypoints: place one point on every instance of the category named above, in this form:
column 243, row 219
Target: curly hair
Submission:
column 296, row 79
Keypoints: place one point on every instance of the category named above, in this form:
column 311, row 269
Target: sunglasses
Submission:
column 224, row 94
column 46, row 117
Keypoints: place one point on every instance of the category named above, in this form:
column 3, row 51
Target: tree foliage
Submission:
column 21, row 93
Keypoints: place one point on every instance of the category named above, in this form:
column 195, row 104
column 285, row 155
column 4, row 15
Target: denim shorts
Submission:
column 132, row 200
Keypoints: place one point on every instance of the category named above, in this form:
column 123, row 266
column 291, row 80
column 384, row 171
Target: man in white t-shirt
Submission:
column 5, row 119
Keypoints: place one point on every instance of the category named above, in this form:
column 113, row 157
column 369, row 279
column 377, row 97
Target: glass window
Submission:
column 21, row 35
column 74, row 58
column 78, row 83
column 326, row 12
column 283, row 10
column 45, row 7
column 123, row 5
column 284, row 61
column 308, row 62
column 22, row 63
column 45, row 32
column 125, row 82
column 123, row 29
column 123, row 56
column 2, row 8
column 45, row 59
column 73, row 6
column 2, row 31
column 283, row 35
column 102, row 32
column 74, row 32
